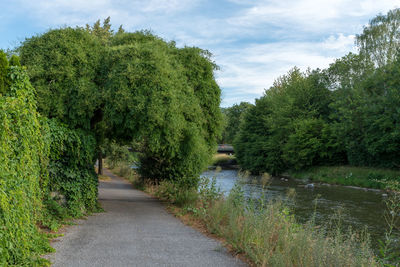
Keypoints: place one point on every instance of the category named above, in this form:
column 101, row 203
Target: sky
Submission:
column 253, row 41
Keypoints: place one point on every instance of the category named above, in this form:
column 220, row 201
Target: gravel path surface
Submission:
column 135, row 230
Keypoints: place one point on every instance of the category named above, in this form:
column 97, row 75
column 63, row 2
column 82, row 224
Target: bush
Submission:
column 176, row 193
column 71, row 172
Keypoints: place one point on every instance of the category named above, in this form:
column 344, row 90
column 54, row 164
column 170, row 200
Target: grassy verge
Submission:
column 353, row 176
column 266, row 233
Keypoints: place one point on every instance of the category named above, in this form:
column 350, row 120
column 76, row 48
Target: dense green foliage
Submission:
column 46, row 172
column 72, row 179
column 199, row 71
column 170, row 110
column 92, row 84
column 346, row 114
column 14, row 61
column 22, row 171
column 62, row 65
column 3, row 72
column 287, row 127
column 231, row 118
column 116, row 153
column 130, row 87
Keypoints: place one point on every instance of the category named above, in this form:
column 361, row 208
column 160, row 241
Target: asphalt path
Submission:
column 135, row 230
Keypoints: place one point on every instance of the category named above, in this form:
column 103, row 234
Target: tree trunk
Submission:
column 100, row 165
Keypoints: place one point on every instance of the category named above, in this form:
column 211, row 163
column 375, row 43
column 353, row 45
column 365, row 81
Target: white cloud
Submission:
column 253, row 69
column 254, row 42
column 170, row 6
column 340, row 43
column 310, row 15
column 70, row 12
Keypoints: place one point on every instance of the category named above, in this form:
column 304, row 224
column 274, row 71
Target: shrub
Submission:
column 71, row 172
column 176, row 193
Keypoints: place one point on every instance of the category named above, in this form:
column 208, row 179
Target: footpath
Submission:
column 135, row 230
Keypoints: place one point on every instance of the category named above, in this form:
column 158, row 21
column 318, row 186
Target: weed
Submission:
column 389, row 255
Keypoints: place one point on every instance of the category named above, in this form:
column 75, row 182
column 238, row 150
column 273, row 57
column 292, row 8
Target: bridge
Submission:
column 222, row 148
column 225, row 148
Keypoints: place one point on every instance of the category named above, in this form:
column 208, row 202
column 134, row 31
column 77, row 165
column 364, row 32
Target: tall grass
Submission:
column 267, row 233
column 270, row 236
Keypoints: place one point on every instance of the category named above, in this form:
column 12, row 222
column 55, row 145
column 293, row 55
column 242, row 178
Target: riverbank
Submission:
column 384, row 179
column 266, row 233
column 361, row 177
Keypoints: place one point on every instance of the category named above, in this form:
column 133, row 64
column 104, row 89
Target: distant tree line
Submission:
column 231, row 118
column 348, row 113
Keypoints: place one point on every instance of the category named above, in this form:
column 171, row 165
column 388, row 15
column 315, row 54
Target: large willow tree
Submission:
column 130, row 87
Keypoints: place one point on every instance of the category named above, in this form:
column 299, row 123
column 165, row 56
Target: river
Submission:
column 358, row 209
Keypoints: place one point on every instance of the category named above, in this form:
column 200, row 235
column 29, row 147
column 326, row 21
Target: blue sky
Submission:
column 253, row 42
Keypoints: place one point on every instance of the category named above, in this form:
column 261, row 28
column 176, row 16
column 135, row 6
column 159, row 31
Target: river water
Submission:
column 358, row 209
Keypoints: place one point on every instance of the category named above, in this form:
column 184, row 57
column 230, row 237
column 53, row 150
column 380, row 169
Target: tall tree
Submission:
column 152, row 101
column 287, row 127
column 130, row 86
column 199, row 71
column 380, row 39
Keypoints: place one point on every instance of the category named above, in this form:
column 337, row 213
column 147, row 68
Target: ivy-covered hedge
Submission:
column 72, row 178
column 46, row 173
column 22, row 154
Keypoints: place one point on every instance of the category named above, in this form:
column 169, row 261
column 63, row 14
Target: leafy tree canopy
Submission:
column 130, row 87
column 345, row 114
column 63, row 66
column 380, row 39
